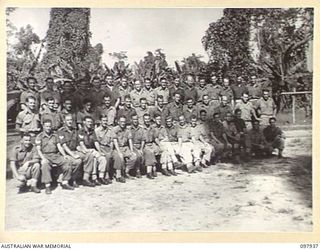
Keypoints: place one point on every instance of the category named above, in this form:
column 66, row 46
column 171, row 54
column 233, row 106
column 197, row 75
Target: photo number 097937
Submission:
column 309, row 245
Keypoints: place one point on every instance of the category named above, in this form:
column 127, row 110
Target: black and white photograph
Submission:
column 159, row 119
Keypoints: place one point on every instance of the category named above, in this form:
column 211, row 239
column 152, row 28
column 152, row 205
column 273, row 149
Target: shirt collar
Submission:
column 46, row 135
column 22, row 148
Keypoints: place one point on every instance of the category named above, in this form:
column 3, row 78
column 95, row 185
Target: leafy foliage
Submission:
column 69, row 52
column 153, row 66
column 283, row 44
column 282, row 38
column 21, row 57
column 226, row 42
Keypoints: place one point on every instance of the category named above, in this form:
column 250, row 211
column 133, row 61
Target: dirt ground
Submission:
column 263, row 195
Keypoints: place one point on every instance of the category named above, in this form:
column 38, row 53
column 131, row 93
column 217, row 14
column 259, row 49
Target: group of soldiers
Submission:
column 106, row 130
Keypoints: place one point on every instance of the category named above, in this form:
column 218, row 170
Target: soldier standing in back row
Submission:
column 150, row 94
column 214, row 91
column 28, row 120
column 190, row 90
column 31, row 91
column 175, row 108
column 266, row 108
column 68, row 109
column 227, row 91
column 50, row 113
column 106, row 109
column 247, row 110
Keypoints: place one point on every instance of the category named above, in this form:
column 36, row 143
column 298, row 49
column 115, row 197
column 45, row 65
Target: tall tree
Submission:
column 69, row 52
column 226, row 42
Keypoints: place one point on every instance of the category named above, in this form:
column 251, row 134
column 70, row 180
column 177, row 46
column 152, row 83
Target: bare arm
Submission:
column 116, row 145
column 43, row 158
column 14, row 169
column 131, row 145
column 61, row 150
column 83, row 147
column 142, row 145
column 97, row 146
column 69, row 152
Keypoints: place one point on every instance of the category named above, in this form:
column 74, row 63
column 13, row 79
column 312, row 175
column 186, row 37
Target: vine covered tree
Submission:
column 68, row 49
column 226, row 42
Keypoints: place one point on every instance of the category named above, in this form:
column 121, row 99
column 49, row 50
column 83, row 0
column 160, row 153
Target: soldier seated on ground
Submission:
column 274, row 137
column 258, row 146
column 25, row 164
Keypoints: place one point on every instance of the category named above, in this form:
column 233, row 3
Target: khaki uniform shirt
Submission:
column 54, row 116
column 111, row 113
column 266, row 106
column 184, row 133
column 69, row 136
column 164, row 92
column 175, row 110
column 214, row 91
column 247, row 110
column 122, row 135
column 104, row 135
column 28, row 120
column 150, row 95
column 20, row 154
column 88, row 137
column 48, row 143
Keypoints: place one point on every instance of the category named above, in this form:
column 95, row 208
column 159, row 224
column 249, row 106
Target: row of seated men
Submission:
column 96, row 155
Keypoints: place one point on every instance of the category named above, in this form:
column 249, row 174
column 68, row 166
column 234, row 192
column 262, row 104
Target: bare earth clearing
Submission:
column 263, row 195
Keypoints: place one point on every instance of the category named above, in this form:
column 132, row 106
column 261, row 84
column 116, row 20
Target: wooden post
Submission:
column 294, row 107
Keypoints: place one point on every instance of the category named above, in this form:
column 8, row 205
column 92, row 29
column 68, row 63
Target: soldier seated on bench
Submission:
column 50, row 151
